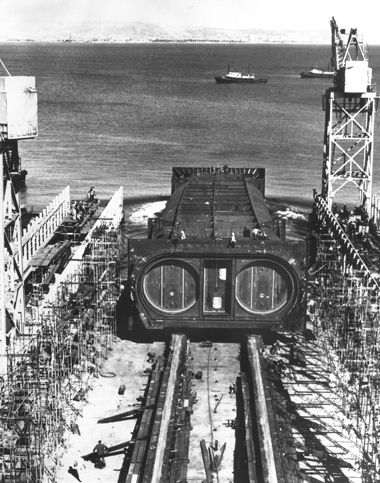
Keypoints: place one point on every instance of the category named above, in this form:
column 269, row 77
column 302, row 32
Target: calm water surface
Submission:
column 115, row 115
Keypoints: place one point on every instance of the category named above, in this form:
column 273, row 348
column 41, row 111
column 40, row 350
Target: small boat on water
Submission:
column 238, row 78
column 315, row 73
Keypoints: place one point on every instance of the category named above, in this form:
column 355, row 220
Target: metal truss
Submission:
column 12, row 308
column 348, row 145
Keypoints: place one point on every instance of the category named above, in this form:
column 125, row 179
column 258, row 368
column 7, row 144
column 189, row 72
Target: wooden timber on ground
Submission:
column 206, row 461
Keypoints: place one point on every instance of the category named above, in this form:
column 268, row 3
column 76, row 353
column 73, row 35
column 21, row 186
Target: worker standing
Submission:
column 100, row 450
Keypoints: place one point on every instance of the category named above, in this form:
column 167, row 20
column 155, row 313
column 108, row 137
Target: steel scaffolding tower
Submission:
column 345, row 298
column 18, row 120
column 49, row 377
column 349, row 121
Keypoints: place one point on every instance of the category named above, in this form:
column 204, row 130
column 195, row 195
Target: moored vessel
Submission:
column 315, row 73
column 233, row 77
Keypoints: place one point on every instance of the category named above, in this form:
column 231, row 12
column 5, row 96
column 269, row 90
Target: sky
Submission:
column 229, row 14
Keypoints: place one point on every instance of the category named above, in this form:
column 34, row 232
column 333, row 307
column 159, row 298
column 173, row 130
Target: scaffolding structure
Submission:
column 344, row 307
column 345, row 273
column 59, row 354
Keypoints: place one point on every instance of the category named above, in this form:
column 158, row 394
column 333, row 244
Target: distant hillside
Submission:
column 144, row 32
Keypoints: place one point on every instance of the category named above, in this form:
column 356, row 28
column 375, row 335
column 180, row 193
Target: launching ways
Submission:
column 214, row 411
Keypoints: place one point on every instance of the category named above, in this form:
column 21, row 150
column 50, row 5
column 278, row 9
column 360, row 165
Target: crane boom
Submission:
column 350, row 60
column 353, row 48
column 337, row 46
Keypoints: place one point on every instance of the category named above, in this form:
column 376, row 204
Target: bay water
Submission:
column 115, row 115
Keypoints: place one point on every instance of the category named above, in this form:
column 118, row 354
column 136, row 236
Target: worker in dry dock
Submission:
column 232, row 242
column 91, row 194
column 344, row 214
column 100, row 450
column 246, row 232
column 256, row 232
column 73, row 209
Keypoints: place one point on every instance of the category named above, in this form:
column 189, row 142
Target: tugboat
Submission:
column 238, row 78
column 315, row 73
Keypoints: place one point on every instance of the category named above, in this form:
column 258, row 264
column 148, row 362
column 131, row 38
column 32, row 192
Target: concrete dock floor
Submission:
column 127, row 362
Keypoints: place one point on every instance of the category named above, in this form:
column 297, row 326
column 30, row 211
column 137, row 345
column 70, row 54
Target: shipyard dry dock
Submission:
column 229, row 354
column 216, row 411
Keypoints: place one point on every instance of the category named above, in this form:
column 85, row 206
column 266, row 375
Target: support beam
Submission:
column 3, row 320
column 176, row 358
column 265, row 437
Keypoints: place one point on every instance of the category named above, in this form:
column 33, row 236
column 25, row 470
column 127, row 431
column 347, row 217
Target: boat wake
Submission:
column 148, row 210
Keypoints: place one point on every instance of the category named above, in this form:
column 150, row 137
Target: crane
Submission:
column 349, row 121
column 350, row 106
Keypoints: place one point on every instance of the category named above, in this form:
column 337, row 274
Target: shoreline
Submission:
column 213, row 42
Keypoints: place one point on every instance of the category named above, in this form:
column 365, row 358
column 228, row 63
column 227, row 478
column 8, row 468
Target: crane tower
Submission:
column 349, row 121
column 18, row 120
